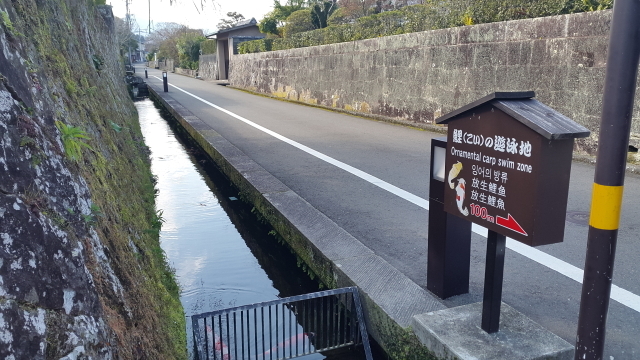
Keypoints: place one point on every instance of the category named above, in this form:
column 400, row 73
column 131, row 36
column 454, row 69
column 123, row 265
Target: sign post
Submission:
column 617, row 108
column 493, row 274
column 508, row 161
column 449, row 237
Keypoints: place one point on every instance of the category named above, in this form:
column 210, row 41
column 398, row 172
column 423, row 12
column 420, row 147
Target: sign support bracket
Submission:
column 493, row 275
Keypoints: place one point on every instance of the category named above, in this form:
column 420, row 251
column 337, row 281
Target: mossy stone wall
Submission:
column 415, row 78
column 82, row 274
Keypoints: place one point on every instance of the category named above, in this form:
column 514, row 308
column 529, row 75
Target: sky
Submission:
column 185, row 12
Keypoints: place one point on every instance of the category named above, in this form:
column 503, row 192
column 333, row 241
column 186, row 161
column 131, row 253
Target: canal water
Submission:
column 222, row 254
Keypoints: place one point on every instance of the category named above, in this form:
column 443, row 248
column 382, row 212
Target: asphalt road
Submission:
column 396, row 229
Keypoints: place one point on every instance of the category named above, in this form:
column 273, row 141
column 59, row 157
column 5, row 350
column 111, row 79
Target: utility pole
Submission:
column 128, row 21
column 139, row 43
column 606, row 200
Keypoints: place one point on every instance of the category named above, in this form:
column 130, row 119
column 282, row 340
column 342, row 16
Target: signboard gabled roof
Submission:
column 530, row 112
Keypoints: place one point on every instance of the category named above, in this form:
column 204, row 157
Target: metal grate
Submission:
column 282, row 329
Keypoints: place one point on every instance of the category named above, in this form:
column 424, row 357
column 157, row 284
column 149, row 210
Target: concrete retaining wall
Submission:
column 419, row 76
column 208, row 68
column 186, row 72
column 165, row 65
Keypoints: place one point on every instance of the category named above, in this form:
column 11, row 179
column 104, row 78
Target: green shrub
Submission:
column 208, row 47
column 423, row 18
column 340, row 17
column 255, row 46
column 433, row 15
column 383, row 24
column 297, row 22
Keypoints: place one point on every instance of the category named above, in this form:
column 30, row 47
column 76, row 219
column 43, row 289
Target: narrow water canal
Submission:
column 222, row 255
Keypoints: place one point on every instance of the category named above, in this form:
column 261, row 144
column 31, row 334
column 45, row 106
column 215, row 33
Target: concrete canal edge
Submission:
column 393, row 304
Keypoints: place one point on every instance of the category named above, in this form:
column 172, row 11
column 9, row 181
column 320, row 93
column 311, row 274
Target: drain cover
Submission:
column 578, row 217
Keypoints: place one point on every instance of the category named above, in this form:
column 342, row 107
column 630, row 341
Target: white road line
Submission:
column 618, row 294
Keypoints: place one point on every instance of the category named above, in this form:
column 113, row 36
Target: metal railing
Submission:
column 282, row 329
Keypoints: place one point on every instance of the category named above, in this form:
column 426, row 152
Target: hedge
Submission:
column 408, row 19
column 417, row 18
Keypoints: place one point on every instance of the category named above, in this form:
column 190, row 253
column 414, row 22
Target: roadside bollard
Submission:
column 146, row 76
column 164, row 81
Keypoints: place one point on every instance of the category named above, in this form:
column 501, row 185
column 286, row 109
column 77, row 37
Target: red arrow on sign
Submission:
column 511, row 224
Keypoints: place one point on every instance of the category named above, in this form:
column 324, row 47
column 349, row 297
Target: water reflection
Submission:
column 216, row 246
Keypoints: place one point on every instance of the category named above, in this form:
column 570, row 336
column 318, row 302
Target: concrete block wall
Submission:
column 166, row 65
column 417, row 77
column 208, row 67
column 186, row 72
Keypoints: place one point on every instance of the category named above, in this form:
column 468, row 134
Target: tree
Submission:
column 233, row 19
column 125, row 36
column 269, row 25
column 188, row 45
column 314, row 15
column 340, row 17
column 165, row 39
column 320, row 12
column 282, row 12
column 274, row 20
column 162, row 32
column 354, row 9
column 297, row 22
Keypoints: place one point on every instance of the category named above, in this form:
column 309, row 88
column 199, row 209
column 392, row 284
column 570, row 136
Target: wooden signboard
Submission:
column 507, row 166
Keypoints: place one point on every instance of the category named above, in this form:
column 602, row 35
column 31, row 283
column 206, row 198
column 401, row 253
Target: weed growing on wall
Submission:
column 72, row 140
column 6, row 22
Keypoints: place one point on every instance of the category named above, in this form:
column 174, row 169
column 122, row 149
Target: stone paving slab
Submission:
column 455, row 333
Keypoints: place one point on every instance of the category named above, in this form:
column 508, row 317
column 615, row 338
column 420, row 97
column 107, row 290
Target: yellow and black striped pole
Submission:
column 613, row 145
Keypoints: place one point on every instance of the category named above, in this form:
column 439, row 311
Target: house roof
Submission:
column 530, row 112
column 239, row 25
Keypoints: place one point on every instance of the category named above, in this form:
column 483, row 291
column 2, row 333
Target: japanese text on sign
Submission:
column 497, row 142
